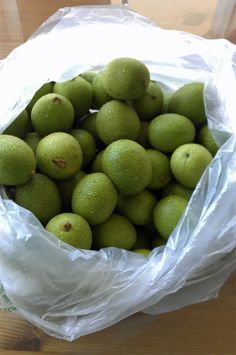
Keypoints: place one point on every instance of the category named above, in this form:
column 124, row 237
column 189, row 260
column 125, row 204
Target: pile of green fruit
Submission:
column 108, row 159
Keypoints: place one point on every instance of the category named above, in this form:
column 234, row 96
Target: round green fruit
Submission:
column 189, row 162
column 59, row 156
column 169, row 131
column 149, row 105
column 188, row 101
column 94, row 198
column 167, row 213
column 137, row 208
column 52, row 113
column 127, row 164
column 116, row 231
column 117, row 120
column 17, row 161
column 40, row 196
column 71, row 229
column 125, row 79
column 161, row 173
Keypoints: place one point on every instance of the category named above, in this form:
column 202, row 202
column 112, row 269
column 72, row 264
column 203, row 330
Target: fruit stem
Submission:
column 56, row 100
column 67, row 226
column 60, row 163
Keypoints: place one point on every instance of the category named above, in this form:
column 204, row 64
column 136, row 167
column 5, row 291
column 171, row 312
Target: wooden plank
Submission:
column 12, row 352
column 223, row 16
column 208, row 329
column 33, row 12
column 10, row 26
column 178, row 14
column 20, row 18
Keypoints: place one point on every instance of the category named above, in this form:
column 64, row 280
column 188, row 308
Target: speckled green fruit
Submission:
column 169, row 131
column 20, row 126
column 66, row 188
column 100, row 96
column 117, row 120
column 189, row 162
column 87, row 144
column 88, row 75
column 137, row 208
column 32, row 139
column 142, row 241
column 144, row 252
column 44, row 90
column 116, row 231
column 52, row 113
column 128, row 166
column 71, row 229
column 205, row 138
column 125, row 78
column 161, row 173
column 94, row 198
column 40, row 196
column 79, row 92
column 174, row 188
column 143, row 139
column 59, row 156
column 97, row 163
column 188, row 101
column 149, row 105
column 167, row 213
column 17, row 161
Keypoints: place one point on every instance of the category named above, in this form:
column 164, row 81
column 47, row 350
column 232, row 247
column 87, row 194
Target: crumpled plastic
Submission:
column 68, row 292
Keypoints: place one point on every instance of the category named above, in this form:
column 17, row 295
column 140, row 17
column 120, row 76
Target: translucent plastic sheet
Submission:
column 69, row 292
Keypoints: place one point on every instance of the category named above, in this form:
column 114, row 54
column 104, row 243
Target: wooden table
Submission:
column 208, row 328
column 20, row 18
column 203, row 329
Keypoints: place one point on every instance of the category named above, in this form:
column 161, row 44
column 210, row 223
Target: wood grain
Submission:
column 9, row 352
column 33, row 12
column 208, row 328
column 20, row 18
column 178, row 14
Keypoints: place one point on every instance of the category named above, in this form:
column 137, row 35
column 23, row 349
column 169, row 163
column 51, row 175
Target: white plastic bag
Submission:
column 69, row 292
